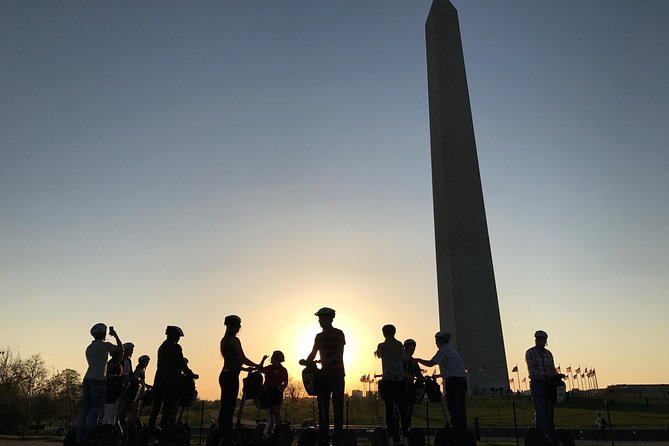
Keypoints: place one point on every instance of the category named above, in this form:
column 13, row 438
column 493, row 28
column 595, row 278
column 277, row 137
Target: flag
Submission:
column 578, row 370
column 511, row 381
column 367, row 378
column 582, row 375
column 524, row 379
column 575, row 376
column 569, row 369
column 515, row 369
column 558, row 369
column 362, row 379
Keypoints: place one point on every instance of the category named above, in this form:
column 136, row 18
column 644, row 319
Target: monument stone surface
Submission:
column 468, row 306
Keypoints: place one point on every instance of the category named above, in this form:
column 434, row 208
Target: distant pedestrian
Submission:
column 601, row 424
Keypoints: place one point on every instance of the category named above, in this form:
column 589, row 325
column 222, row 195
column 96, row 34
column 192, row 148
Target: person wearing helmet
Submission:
column 136, row 390
column 276, row 380
column 126, row 375
column 329, row 345
column 414, row 376
column 167, row 382
column 452, row 371
column 94, row 380
column 393, row 385
column 233, row 361
column 128, row 350
column 541, row 369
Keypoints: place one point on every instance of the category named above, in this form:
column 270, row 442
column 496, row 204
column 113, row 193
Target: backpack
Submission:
column 432, row 389
column 253, row 385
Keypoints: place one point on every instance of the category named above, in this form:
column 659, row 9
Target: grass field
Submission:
column 576, row 412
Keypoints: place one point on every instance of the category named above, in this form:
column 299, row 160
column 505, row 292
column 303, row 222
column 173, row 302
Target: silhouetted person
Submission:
column 601, row 424
column 136, row 390
column 167, row 382
column 276, row 380
column 452, row 372
column 128, row 350
column 541, row 369
column 414, row 376
column 114, row 387
column 94, row 387
column 329, row 344
column 126, row 374
column 393, row 385
column 233, row 360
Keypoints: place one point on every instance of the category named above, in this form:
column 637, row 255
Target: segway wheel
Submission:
column 534, row 437
column 142, row 437
column 344, row 437
column 213, row 437
column 105, row 435
column 565, row 438
column 416, row 437
column 129, row 434
column 283, row 435
column 378, row 437
column 239, row 436
column 445, row 437
column 175, row 436
column 309, row 437
column 70, row 437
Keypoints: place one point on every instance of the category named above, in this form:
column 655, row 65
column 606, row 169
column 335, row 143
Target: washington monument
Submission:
column 468, row 306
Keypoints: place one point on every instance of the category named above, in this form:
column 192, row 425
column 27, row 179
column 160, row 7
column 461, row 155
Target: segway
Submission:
column 446, row 435
column 110, row 433
column 179, row 434
column 311, row 376
column 70, row 438
column 240, row 436
column 534, row 437
column 282, row 435
column 416, row 437
column 380, row 435
column 142, row 432
column 310, row 381
column 137, row 396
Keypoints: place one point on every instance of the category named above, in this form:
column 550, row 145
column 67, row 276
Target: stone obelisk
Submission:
column 468, row 306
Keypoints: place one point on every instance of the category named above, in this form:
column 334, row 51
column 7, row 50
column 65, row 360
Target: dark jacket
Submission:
column 171, row 366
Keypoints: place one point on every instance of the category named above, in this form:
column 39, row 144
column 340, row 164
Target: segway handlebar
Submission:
column 305, row 362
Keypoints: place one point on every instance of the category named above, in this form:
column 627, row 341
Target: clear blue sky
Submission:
column 173, row 162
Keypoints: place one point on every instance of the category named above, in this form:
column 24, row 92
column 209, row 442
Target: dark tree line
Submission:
column 31, row 395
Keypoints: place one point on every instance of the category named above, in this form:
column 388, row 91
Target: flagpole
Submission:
column 584, row 373
column 518, row 374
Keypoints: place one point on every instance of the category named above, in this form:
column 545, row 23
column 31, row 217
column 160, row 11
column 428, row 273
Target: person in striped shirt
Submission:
column 329, row 345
